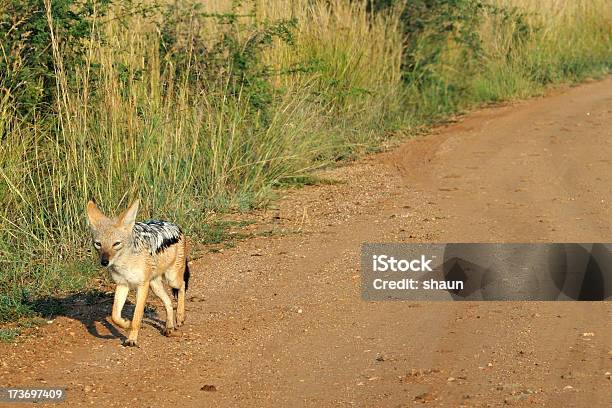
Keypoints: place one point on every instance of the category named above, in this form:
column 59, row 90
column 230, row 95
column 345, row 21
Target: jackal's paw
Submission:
column 168, row 331
column 130, row 343
column 123, row 323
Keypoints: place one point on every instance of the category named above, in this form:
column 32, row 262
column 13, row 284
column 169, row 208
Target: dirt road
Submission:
column 279, row 321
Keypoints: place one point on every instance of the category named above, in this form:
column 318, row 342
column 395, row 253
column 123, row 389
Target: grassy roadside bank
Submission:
column 200, row 110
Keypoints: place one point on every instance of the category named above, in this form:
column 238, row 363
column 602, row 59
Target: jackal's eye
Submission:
column 97, row 244
column 117, row 244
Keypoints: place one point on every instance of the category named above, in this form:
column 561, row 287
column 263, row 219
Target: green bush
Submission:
column 27, row 63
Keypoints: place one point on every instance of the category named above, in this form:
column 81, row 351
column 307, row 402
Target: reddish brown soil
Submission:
column 279, row 320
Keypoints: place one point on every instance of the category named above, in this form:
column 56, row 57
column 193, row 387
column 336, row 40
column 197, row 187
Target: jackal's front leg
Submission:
column 158, row 288
column 141, row 298
column 121, row 293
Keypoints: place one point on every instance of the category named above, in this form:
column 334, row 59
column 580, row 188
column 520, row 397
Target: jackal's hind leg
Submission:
column 158, row 288
column 180, row 309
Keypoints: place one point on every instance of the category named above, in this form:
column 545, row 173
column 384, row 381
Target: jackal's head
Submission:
column 111, row 235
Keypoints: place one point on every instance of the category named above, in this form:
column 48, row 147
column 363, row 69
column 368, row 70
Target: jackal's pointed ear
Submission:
column 94, row 214
column 128, row 218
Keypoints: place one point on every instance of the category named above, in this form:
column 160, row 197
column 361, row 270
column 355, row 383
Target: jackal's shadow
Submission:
column 93, row 309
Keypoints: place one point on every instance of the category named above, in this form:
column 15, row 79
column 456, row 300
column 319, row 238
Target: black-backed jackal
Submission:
column 140, row 255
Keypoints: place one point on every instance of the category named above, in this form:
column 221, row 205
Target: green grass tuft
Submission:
column 8, row 335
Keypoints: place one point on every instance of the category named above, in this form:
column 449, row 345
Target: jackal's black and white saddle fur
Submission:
column 155, row 236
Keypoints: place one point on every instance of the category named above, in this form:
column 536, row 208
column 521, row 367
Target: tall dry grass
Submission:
column 139, row 120
column 559, row 41
column 512, row 49
column 200, row 110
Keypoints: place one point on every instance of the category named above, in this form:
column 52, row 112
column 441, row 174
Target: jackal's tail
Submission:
column 186, row 275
